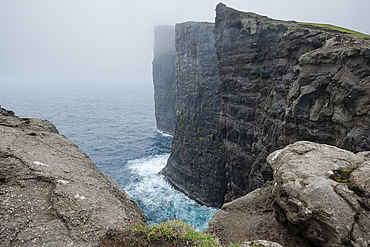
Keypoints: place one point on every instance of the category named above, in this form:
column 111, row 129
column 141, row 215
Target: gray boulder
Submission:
column 247, row 218
column 51, row 193
column 319, row 197
column 322, row 192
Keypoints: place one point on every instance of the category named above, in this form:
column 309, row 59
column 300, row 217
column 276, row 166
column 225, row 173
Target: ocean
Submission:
column 114, row 124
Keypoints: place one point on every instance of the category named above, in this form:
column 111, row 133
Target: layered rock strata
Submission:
column 196, row 163
column 282, row 82
column 51, row 193
column 164, row 78
column 319, row 197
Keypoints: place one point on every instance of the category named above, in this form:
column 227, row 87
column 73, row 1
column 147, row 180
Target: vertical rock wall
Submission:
column 282, row 82
column 196, row 164
column 246, row 53
column 164, row 78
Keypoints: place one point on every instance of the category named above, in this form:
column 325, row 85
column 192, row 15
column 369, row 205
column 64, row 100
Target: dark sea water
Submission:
column 114, row 124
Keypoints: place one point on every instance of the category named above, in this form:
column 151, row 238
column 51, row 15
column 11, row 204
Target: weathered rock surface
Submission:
column 51, row 193
column 257, row 243
column 319, row 191
column 282, row 82
column 246, row 218
column 164, row 78
column 319, row 197
column 196, row 163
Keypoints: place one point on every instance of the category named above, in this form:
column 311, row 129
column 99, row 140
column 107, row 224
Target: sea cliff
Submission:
column 283, row 82
column 279, row 82
column 196, row 163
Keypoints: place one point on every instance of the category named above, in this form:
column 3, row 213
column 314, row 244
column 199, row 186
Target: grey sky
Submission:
column 112, row 40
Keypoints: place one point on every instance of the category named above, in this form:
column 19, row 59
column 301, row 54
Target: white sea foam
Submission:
column 162, row 133
column 158, row 199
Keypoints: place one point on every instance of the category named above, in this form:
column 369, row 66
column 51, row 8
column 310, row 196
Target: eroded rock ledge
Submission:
column 51, row 193
column 320, row 196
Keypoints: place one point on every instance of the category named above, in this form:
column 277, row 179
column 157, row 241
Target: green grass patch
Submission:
column 178, row 231
column 341, row 175
column 341, row 29
column 270, row 22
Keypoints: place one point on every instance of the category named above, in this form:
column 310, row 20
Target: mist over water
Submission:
column 114, row 124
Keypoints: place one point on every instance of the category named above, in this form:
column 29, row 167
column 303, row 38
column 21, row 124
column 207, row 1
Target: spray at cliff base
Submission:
column 158, row 199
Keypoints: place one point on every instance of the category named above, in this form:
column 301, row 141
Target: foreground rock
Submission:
column 51, row 193
column 320, row 196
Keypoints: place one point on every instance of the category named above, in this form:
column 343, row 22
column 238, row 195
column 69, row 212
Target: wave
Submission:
column 158, row 199
column 163, row 133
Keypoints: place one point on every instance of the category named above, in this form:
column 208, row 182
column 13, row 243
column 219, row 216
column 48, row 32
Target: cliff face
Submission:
column 164, row 78
column 51, row 193
column 279, row 82
column 196, row 163
column 282, row 82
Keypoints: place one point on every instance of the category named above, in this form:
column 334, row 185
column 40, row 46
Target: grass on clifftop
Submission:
column 177, row 232
column 332, row 27
column 341, row 29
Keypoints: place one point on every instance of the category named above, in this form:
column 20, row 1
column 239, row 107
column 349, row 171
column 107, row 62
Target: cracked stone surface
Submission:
column 326, row 211
column 51, row 193
column 306, row 204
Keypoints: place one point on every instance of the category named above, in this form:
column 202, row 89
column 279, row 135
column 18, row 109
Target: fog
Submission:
column 112, row 40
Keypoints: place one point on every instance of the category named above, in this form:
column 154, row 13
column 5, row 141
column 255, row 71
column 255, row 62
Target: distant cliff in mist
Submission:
column 164, row 78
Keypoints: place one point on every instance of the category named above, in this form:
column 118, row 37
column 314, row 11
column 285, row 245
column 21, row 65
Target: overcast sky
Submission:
column 112, row 40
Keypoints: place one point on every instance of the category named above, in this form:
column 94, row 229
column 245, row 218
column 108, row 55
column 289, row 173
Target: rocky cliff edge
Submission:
column 51, row 193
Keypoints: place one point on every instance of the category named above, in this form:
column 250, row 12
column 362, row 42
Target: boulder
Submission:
column 246, row 218
column 322, row 192
column 319, row 197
